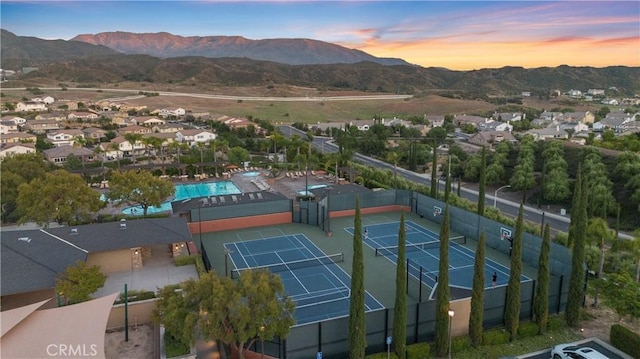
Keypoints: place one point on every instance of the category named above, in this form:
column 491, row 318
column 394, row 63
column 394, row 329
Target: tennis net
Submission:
column 422, row 246
column 302, row 263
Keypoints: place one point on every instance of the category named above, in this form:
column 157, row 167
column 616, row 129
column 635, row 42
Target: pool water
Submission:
column 188, row 191
column 251, row 174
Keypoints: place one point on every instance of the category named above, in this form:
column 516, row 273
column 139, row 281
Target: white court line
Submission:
column 323, row 264
column 240, row 253
column 347, row 274
column 294, row 275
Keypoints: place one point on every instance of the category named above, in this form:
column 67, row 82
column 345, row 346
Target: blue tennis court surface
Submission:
column 320, row 288
column 423, row 255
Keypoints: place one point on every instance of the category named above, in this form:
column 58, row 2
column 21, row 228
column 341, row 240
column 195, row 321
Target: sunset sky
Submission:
column 459, row 35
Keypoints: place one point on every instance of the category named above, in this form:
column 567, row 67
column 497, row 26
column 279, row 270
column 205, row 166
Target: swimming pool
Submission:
column 188, row 191
column 251, row 174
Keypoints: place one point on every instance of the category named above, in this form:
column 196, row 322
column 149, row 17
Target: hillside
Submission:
column 82, row 63
column 21, row 51
column 285, row 51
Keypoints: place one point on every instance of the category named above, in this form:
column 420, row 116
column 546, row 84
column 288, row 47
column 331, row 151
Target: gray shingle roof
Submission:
column 33, row 265
column 32, row 259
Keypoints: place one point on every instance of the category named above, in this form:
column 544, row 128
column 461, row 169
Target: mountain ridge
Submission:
column 296, row 51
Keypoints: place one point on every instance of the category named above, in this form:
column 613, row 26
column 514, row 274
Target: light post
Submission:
column 389, row 339
column 262, row 341
column 495, row 195
column 451, row 313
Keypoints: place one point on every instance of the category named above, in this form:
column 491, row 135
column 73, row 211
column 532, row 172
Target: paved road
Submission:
column 600, row 346
column 226, row 97
column 557, row 222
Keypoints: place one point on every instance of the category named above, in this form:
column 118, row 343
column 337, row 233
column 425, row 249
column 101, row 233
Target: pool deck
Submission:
column 288, row 186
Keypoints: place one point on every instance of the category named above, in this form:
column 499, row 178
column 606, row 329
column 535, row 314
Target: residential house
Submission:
column 148, row 121
column 125, row 148
column 48, row 100
column 55, row 116
column 178, row 112
column 475, row 121
column 82, row 115
column 236, row 123
column 630, row 101
column 550, row 116
column 18, row 137
column 548, row 133
column 10, row 149
column 509, row 116
column 584, row 117
column 7, row 127
column 58, row 155
column 192, row 137
column 167, row 138
column 41, row 126
column 495, row 126
column 614, row 121
column 18, row 120
column 595, row 92
column 66, row 137
column 525, row 94
column 168, row 128
column 610, row 102
column 30, row 106
column 436, row 121
column 134, row 129
column 630, row 127
column 573, row 127
column 94, row 134
column 489, row 138
column 362, row 125
column 574, row 93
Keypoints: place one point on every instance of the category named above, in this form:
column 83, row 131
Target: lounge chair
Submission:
column 251, row 196
column 234, row 198
column 222, row 200
column 213, row 200
column 259, row 195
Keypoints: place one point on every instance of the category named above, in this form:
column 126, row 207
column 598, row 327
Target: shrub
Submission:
column 556, row 323
column 418, row 351
column 460, row 344
column 496, row 336
column 527, row 329
column 185, row 260
column 174, row 347
column 625, row 340
column 135, row 296
column 200, row 266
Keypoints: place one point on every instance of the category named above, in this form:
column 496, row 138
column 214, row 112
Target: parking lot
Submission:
column 594, row 343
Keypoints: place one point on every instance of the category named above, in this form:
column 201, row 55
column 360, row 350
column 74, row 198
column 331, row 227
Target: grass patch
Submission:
column 519, row 347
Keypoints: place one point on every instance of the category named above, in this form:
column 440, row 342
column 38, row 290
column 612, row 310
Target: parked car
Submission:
column 569, row 351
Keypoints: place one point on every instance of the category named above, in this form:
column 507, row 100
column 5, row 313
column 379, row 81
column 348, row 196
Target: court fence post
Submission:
column 417, row 322
column 319, row 336
column 559, row 305
column 420, row 286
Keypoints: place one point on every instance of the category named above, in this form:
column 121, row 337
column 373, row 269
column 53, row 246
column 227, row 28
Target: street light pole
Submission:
column 495, row 195
column 451, row 313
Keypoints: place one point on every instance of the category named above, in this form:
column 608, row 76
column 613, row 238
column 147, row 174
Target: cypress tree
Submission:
column 447, row 188
column 512, row 309
column 483, row 176
column 577, row 231
column 400, row 309
column 434, row 172
column 541, row 299
column 477, row 295
column 357, row 329
column 442, row 290
column 575, row 203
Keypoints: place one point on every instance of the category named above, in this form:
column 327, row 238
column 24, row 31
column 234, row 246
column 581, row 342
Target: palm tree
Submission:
column 116, row 147
column 81, row 142
column 133, row 139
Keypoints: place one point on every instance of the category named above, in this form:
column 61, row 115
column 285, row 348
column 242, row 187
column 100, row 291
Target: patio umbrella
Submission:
column 231, row 167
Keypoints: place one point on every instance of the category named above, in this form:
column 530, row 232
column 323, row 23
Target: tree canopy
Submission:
column 139, row 187
column 236, row 312
column 78, row 282
column 58, row 196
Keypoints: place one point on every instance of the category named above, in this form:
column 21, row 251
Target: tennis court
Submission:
column 314, row 280
column 423, row 255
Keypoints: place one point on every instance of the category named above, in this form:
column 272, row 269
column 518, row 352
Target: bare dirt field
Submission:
column 601, row 320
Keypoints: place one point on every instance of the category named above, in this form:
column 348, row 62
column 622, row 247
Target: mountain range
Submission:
column 284, row 51
column 119, row 56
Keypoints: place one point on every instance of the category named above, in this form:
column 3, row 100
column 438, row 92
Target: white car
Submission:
column 568, row 351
